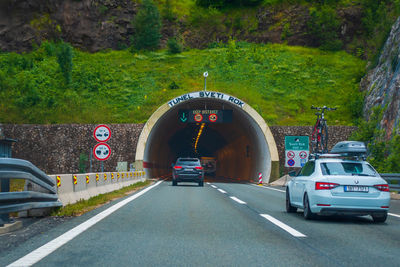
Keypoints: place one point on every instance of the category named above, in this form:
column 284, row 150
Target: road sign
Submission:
column 198, row 117
column 296, row 151
column 303, row 154
column 102, row 151
column 102, row 133
column 205, row 115
column 291, row 162
column 183, row 117
column 213, row 117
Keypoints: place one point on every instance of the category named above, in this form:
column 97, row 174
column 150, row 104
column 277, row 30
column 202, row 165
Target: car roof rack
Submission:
column 346, row 149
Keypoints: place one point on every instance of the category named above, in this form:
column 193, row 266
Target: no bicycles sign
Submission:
column 296, row 151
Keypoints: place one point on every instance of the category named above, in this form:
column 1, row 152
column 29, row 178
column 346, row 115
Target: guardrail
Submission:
column 393, row 179
column 11, row 168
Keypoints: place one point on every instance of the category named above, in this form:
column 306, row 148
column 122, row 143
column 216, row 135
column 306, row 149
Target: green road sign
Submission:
column 296, row 143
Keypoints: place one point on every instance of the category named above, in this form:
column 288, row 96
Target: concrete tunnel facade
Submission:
column 243, row 147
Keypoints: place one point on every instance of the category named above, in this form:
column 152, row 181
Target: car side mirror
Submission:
column 292, row 173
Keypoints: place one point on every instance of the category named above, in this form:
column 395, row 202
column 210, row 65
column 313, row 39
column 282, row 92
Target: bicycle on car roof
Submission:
column 319, row 137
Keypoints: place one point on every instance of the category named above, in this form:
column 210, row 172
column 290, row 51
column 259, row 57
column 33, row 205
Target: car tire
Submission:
column 381, row 218
column 289, row 207
column 308, row 214
column 201, row 183
column 174, row 183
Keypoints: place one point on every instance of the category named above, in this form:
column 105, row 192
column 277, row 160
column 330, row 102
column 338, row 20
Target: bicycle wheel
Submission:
column 324, row 138
column 314, row 138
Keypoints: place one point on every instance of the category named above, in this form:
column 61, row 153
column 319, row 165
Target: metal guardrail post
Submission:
column 5, row 152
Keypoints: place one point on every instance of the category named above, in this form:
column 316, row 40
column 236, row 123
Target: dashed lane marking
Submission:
column 213, row 186
column 238, row 200
column 222, row 191
column 53, row 245
column 394, row 215
column 282, row 225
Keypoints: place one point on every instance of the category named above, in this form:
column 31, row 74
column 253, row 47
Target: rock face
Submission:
column 87, row 24
column 382, row 83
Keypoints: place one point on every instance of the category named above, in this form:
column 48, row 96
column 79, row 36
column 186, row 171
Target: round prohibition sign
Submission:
column 303, row 154
column 102, row 133
column 290, row 154
column 102, row 151
column 291, row 162
column 213, row 117
column 198, row 117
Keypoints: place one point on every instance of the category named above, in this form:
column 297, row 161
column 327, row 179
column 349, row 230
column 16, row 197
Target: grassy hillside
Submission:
column 279, row 81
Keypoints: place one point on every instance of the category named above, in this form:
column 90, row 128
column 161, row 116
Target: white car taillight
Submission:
column 325, row 186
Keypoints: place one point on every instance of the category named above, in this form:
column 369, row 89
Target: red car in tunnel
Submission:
column 187, row 170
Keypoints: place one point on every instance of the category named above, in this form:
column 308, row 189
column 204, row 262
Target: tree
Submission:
column 147, row 25
column 64, row 59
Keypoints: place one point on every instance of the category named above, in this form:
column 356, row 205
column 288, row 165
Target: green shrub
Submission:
column 174, row 47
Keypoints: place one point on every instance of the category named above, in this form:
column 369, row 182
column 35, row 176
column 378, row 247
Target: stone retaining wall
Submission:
column 56, row 148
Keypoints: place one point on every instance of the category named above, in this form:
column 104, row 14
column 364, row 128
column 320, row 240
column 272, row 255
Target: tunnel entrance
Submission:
column 241, row 143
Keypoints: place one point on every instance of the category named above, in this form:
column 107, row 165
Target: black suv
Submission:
column 188, row 170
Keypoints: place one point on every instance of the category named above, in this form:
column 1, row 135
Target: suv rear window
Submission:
column 347, row 168
column 189, row 162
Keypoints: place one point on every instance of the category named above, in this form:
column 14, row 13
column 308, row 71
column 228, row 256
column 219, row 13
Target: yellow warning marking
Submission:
column 58, row 181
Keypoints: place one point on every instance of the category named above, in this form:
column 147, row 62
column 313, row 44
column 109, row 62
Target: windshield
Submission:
column 189, row 162
column 347, row 168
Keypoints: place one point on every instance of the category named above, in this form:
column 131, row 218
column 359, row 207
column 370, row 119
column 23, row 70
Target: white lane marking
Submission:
column 213, row 186
column 394, row 215
column 53, row 245
column 285, row 227
column 270, row 188
column 207, row 183
column 222, row 191
column 238, row 200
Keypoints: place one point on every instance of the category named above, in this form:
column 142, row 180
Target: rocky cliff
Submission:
column 382, row 83
column 93, row 25
column 88, row 24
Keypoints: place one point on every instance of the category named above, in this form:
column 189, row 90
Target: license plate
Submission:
column 356, row 188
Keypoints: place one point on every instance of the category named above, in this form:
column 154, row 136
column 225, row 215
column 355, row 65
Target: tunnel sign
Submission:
column 296, row 151
column 206, row 94
column 102, row 133
column 205, row 115
column 102, row 151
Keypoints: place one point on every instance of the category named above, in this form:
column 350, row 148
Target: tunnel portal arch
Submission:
column 243, row 148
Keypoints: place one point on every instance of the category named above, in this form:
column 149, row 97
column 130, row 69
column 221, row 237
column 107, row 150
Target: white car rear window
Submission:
column 347, row 168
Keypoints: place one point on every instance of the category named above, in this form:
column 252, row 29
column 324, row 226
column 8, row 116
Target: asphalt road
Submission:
column 221, row 224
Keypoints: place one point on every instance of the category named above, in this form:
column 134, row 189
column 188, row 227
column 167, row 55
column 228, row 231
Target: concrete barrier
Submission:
column 75, row 187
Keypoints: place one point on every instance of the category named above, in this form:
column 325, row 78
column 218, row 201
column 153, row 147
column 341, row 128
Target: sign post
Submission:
column 296, row 151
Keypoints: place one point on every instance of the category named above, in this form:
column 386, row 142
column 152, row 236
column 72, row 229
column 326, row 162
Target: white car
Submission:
column 331, row 184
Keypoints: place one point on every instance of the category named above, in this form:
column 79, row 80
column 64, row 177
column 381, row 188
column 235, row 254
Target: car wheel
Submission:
column 289, row 207
column 380, row 218
column 174, row 183
column 201, row 183
column 308, row 214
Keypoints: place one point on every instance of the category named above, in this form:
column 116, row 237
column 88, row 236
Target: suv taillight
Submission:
column 198, row 168
column 325, row 186
column 382, row 187
column 177, row 167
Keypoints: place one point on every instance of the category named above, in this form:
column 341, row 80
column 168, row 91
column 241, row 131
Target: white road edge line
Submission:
column 394, row 215
column 270, row 188
column 238, row 200
column 222, row 191
column 213, row 186
column 285, row 227
column 53, row 245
